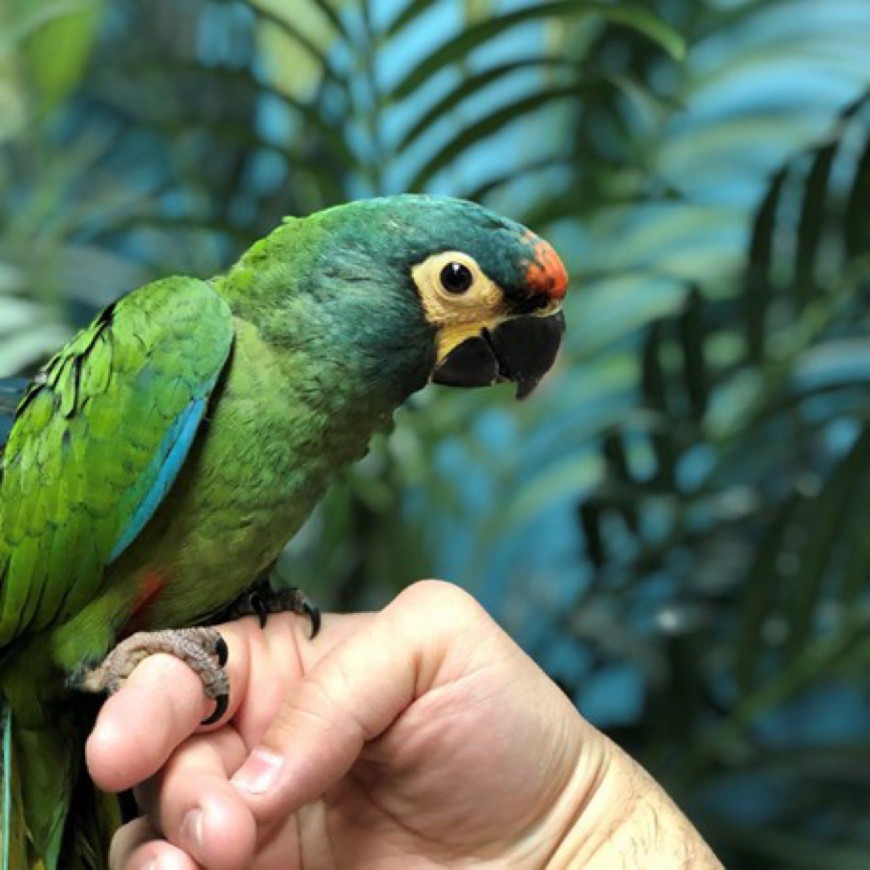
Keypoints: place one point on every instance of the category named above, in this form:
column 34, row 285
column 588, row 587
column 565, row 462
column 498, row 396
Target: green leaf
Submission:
column 655, row 387
column 825, row 516
column 812, row 222
column 57, row 53
column 857, row 559
column 471, row 85
column 857, row 229
column 314, row 119
column 837, row 362
column 410, row 13
column 460, row 45
column 485, row 127
column 567, row 479
column 759, row 598
column 332, row 15
column 287, row 24
column 518, row 173
column 758, row 290
column 611, row 309
column 691, row 337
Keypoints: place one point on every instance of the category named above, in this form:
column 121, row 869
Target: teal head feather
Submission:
column 363, row 282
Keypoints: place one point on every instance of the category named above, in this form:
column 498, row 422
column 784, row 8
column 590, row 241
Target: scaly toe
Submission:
column 202, row 649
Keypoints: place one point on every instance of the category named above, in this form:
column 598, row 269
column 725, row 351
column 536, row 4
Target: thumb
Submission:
column 351, row 697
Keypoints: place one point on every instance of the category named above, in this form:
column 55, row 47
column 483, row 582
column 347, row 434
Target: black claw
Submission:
column 313, row 612
column 222, row 651
column 221, row 704
column 259, row 607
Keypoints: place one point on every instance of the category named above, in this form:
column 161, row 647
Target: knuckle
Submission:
column 448, row 607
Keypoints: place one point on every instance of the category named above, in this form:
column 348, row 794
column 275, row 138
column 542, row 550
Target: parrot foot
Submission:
column 201, row 649
column 262, row 601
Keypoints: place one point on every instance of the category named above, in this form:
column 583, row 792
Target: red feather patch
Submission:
column 150, row 586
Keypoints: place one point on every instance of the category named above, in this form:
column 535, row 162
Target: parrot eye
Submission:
column 453, row 288
column 456, row 278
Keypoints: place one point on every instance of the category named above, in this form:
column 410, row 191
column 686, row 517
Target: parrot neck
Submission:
column 351, row 337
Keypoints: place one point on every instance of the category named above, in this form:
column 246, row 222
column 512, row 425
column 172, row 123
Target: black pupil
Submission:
column 456, row 278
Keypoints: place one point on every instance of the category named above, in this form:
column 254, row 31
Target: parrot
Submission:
column 152, row 472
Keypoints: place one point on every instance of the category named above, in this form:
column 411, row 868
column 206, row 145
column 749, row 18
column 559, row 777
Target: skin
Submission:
column 417, row 736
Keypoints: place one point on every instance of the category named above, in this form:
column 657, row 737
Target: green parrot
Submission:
column 159, row 463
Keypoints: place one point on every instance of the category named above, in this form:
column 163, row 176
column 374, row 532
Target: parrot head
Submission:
column 480, row 294
column 493, row 295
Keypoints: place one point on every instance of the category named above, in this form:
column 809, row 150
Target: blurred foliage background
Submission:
column 678, row 525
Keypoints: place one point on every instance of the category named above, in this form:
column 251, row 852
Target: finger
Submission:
column 194, row 805
column 162, row 702
column 351, row 696
column 137, row 846
column 160, row 705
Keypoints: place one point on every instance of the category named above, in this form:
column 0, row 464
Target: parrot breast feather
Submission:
column 98, row 440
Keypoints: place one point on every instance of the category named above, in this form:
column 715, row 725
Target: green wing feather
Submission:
column 87, row 448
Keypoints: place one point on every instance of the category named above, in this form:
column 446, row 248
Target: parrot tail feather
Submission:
column 7, row 784
column 53, row 816
column 13, row 845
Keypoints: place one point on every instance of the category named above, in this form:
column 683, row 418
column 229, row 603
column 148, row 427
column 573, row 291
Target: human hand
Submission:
column 420, row 736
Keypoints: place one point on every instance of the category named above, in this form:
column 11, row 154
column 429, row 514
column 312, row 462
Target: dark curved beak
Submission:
column 521, row 350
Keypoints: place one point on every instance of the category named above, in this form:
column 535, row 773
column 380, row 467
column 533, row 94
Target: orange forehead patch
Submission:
column 546, row 273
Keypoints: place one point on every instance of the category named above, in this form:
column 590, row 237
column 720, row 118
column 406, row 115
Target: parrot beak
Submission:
column 521, row 350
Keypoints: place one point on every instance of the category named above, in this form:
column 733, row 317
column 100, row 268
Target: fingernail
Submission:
column 260, row 772
column 191, row 828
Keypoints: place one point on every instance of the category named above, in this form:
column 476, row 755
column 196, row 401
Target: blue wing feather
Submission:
column 169, row 458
